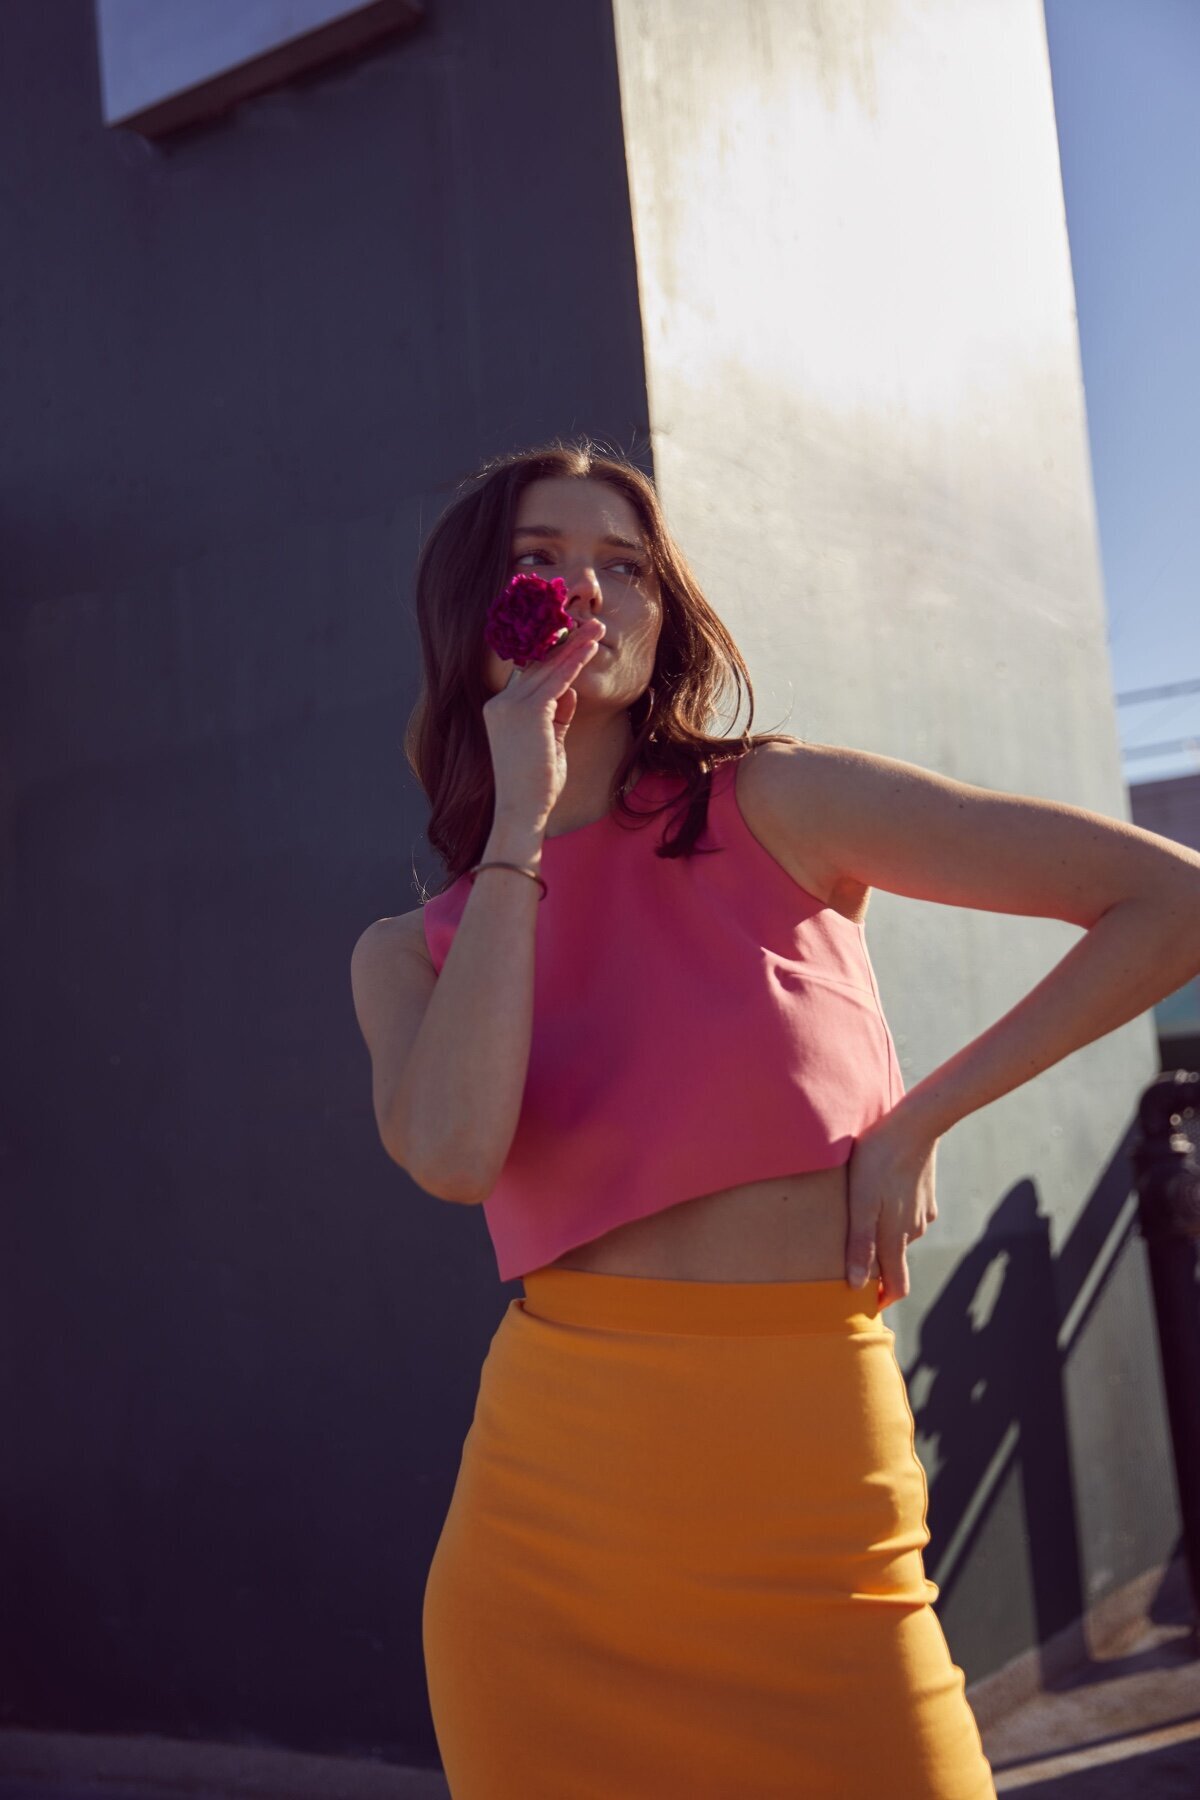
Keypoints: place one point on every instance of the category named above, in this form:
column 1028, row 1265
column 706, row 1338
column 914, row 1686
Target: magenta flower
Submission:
column 525, row 621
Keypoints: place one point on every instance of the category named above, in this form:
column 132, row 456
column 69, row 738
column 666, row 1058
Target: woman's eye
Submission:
column 626, row 562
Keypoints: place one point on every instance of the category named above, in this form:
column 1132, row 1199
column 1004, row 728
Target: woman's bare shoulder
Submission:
column 406, row 931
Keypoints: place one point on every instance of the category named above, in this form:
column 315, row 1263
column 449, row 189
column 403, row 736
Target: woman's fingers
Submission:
column 572, row 653
column 893, row 1266
column 872, row 1247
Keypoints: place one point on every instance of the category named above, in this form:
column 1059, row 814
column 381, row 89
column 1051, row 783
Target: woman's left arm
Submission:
column 1139, row 950
column 893, row 825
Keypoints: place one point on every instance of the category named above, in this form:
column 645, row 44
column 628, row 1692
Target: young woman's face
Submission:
column 560, row 530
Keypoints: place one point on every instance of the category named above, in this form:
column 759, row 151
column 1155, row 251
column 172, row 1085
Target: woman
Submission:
column 639, row 1025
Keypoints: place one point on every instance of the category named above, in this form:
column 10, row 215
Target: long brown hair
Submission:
column 464, row 562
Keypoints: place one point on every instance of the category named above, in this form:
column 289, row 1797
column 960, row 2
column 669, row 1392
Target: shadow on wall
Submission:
column 988, row 1385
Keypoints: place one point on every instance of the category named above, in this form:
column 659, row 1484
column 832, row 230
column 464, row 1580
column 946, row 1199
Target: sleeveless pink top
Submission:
column 698, row 1022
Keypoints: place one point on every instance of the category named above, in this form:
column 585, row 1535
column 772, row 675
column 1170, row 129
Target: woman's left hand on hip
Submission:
column 891, row 1202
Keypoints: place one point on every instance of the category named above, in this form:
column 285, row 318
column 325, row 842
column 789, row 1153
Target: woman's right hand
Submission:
column 527, row 723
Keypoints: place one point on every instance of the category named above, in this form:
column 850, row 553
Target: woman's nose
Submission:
column 584, row 589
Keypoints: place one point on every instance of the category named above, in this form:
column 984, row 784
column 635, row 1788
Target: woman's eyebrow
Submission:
column 551, row 531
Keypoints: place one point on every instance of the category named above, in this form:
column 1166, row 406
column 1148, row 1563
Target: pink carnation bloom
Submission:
column 525, row 621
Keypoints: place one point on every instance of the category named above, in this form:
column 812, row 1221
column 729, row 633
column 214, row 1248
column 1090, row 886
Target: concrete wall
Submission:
column 868, row 428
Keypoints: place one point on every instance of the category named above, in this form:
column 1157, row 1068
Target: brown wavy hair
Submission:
column 463, row 564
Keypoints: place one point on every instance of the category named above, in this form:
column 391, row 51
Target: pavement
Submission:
column 1123, row 1726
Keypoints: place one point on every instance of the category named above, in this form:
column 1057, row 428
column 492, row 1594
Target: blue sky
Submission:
column 1127, row 99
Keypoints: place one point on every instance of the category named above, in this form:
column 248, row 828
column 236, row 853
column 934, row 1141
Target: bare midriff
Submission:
column 788, row 1228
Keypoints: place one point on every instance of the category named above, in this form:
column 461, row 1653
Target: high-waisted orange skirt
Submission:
column 684, row 1556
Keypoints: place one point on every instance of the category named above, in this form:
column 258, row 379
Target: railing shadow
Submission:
column 988, row 1387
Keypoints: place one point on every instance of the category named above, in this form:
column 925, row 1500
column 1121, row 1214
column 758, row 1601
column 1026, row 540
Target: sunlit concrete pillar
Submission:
column 868, row 429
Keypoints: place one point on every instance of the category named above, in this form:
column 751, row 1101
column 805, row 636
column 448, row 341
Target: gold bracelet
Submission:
column 519, row 867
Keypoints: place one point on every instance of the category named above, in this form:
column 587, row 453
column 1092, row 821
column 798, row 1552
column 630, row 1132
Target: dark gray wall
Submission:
column 243, row 370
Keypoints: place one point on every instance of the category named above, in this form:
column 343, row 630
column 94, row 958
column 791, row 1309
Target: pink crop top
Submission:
column 698, row 1022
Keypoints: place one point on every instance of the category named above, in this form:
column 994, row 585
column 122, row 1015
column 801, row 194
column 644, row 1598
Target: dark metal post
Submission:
column 1168, row 1184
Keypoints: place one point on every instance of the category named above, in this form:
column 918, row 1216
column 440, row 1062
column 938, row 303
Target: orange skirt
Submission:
column 684, row 1556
